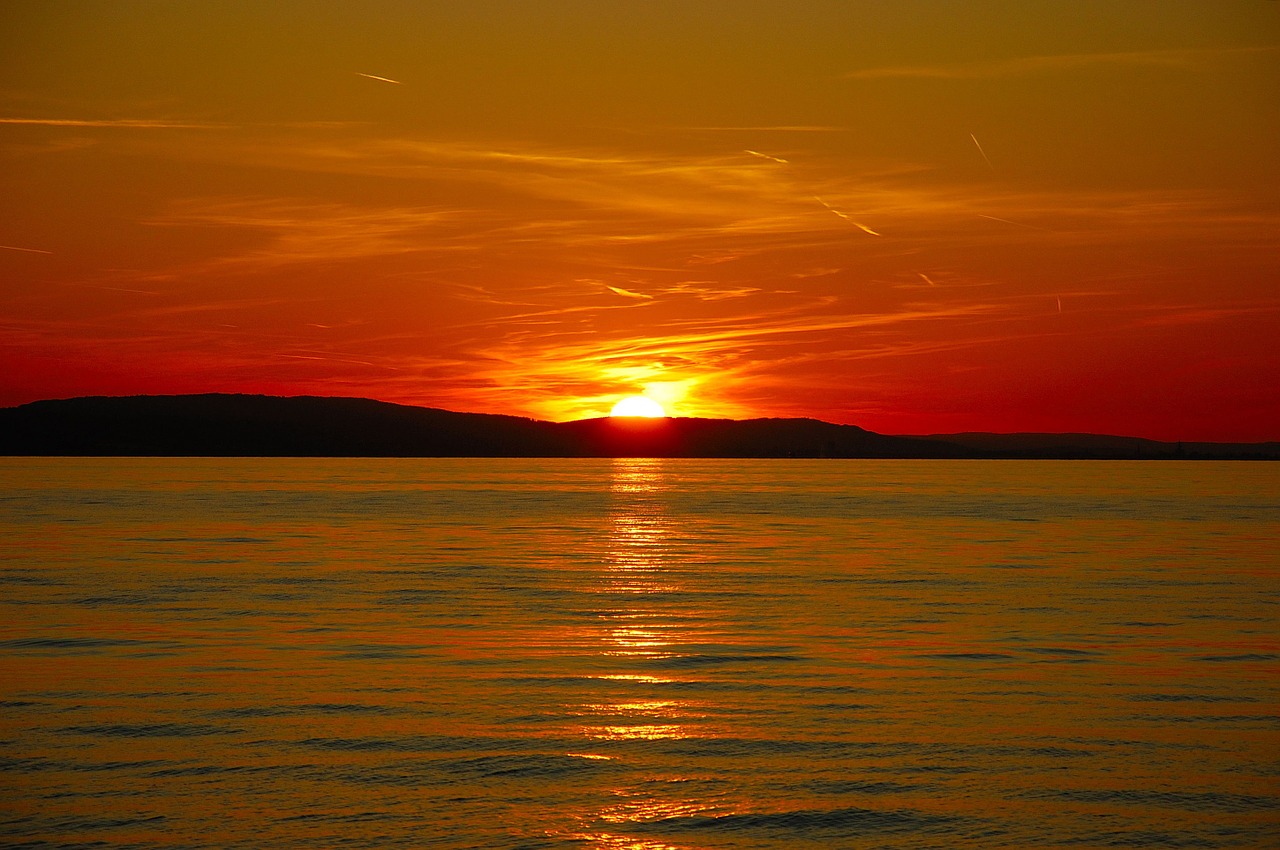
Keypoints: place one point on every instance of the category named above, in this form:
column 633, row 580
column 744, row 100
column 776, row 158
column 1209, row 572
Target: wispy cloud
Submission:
column 711, row 208
column 715, row 352
column 771, row 128
column 627, row 293
column 118, row 123
column 581, row 197
column 290, row 232
column 1019, row 65
column 711, row 291
column 1192, row 314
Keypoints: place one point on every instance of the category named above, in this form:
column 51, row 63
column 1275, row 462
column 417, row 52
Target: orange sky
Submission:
column 911, row 216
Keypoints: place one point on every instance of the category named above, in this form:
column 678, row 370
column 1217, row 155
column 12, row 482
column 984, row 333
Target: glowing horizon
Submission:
column 1055, row 222
column 638, row 406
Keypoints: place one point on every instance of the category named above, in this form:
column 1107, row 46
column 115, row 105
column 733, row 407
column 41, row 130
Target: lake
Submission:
column 639, row 654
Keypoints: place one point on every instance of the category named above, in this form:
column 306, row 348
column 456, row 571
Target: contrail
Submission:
column 1059, row 303
column 118, row 123
column 926, row 278
column 1014, row 223
column 981, row 151
column 28, row 250
column 856, row 224
column 383, row 79
column 115, row 289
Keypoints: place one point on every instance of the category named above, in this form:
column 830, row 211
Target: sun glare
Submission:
column 638, row 405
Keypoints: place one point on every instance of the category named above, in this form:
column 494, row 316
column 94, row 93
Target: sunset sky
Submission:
column 917, row 217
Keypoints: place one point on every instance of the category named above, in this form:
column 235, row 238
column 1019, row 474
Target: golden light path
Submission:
column 638, row 405
column 643, row 570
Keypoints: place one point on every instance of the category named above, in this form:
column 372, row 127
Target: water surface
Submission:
column 638, row 653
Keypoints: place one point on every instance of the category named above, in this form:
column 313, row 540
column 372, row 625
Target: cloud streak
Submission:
column 290, row 232
column 117, row 123
column 1021, row 65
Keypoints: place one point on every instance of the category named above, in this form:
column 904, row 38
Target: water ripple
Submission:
column 812, row 824
column 150, row 730
column 1203, row 801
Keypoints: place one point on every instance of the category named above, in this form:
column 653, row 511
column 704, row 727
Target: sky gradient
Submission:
column 917, row 217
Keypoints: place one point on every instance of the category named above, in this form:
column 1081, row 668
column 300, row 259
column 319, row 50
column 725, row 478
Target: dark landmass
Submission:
column 217, row 425
column 1102, row 446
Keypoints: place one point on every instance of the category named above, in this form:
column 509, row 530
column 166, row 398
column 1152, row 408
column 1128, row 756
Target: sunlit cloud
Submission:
column 816, row 272
column 710, row 290
column 676, row 355
column 626, row 293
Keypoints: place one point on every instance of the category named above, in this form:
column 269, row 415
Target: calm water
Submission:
column 638, row 654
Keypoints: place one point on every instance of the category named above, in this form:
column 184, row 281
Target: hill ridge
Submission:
column 257, row 425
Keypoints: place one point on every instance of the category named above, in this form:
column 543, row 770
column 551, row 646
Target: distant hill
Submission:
column 679, row 437
column 309, row 426
column 1102, row 447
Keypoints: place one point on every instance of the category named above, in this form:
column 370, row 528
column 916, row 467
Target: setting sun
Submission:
column 638, row 405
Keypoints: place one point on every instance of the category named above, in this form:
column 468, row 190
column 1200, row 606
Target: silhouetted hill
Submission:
column 680, row 437
column 1102, row 447
column 262, row 426
column 310, row 426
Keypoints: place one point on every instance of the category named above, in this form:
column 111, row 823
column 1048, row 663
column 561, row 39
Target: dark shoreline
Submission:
column 224, row 425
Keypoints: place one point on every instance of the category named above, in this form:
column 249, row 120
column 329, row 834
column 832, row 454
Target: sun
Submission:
column 638, row 405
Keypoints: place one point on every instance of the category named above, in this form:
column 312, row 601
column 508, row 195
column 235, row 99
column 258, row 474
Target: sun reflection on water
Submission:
column 650, row 619
column 639, row 537
column 639, row 562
